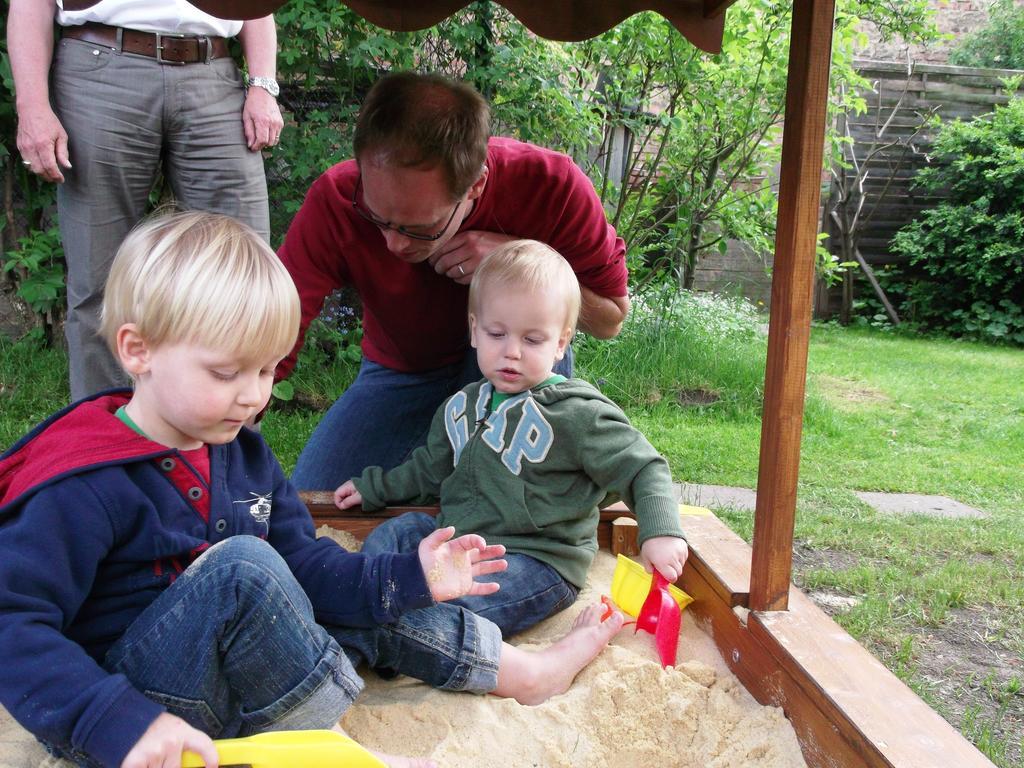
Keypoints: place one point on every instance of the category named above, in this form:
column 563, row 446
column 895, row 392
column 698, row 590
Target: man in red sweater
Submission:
column 405, row 224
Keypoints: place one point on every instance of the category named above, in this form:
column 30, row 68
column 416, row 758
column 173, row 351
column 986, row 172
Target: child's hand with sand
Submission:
column 451, row 564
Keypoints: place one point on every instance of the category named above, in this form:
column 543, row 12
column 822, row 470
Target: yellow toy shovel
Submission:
column 289, row 749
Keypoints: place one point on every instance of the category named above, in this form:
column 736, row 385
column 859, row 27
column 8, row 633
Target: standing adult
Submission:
column 131, row 88
column 405, row 224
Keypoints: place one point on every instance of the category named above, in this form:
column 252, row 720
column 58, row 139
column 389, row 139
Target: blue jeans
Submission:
column 380, row 419
column 445, row 646
column 530, row 590
column 232, row 648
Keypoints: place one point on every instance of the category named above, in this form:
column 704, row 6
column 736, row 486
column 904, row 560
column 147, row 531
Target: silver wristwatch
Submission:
column 268, row 84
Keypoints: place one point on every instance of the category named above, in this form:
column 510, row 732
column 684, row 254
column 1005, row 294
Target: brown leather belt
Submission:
column 165, row 48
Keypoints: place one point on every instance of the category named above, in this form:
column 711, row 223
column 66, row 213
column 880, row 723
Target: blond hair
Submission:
column 527, row 265
column 204, row 279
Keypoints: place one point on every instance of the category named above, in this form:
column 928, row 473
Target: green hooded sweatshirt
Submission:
column 530, row 473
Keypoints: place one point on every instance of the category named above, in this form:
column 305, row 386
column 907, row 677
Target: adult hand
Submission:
column 43, row 143
column 347, row 496
column 450, row 564
column 261, row 119
column 164, row 741
column 666, row 554
column 460, row 256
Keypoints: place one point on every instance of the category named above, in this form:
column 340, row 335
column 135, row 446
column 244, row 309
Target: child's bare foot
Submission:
column 533, row 677
column 396, row 761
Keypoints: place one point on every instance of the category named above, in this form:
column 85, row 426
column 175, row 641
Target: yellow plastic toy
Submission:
column 654, row 602
column 631, row 585
column 289, row 749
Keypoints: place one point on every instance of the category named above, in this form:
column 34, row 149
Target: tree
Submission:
column 884, row 156
column 696, row 135
column 703, row 157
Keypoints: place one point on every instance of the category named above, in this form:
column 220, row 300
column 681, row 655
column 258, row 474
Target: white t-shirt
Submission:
column 164, row 16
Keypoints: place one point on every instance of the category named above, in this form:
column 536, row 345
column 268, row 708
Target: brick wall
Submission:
column 956, row 17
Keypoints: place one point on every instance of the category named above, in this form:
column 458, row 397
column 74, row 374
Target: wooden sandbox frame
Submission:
column 846, row 707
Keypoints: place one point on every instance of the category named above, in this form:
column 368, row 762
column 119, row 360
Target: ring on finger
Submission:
column 26, row 162
column 461, row 270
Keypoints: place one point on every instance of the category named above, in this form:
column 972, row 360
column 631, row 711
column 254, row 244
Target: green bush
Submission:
column 967, row 253
column 999, row 44
column 36, row 269
column 31, row 259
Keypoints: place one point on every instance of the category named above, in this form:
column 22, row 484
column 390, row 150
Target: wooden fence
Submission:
column 896, row 105
column 955, row 92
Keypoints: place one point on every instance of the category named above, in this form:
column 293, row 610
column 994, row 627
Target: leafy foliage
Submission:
column 969, row 250
column 38, row 263
column 999, row 44
column 333, row 56
column 695, row 137
column 681, row 145
column 33, row 266
column 697, row 173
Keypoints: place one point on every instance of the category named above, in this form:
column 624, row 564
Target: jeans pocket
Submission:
column 195, row 712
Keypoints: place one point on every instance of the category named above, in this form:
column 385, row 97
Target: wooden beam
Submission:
column 625, row 537
column 792, row 287
column 724, row 565
column 359, row 523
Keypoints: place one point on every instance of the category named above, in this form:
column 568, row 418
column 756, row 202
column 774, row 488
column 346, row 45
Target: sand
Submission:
column 623, row 710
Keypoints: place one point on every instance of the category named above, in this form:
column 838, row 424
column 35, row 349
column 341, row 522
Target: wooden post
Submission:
column 792, row 286
column 625, row 537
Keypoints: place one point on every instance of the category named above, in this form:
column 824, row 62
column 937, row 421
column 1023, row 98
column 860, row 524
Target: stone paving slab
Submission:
column 918, row 504
column 719, row 496
column 716, row 496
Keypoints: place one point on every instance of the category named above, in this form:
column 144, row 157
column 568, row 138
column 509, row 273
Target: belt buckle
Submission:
column 160, row 48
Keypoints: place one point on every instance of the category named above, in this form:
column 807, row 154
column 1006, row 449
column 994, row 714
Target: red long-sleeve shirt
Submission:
column 413, row 318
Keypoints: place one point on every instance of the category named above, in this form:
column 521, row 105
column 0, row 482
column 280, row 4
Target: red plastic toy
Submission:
column 659, row 615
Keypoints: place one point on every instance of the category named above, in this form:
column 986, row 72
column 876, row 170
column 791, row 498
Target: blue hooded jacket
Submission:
column 97, row 520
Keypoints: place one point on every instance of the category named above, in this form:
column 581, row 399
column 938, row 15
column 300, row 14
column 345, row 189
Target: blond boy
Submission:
column 524, row 456
column 160, row 581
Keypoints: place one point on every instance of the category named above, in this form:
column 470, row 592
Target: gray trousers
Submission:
column 126, row 117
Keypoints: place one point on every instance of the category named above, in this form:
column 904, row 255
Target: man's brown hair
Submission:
column 412, row 120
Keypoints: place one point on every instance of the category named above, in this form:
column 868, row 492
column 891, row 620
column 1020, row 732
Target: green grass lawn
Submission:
column 938, row 600
column 941, row 601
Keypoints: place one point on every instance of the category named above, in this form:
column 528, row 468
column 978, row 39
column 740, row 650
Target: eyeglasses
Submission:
column 365, row 213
